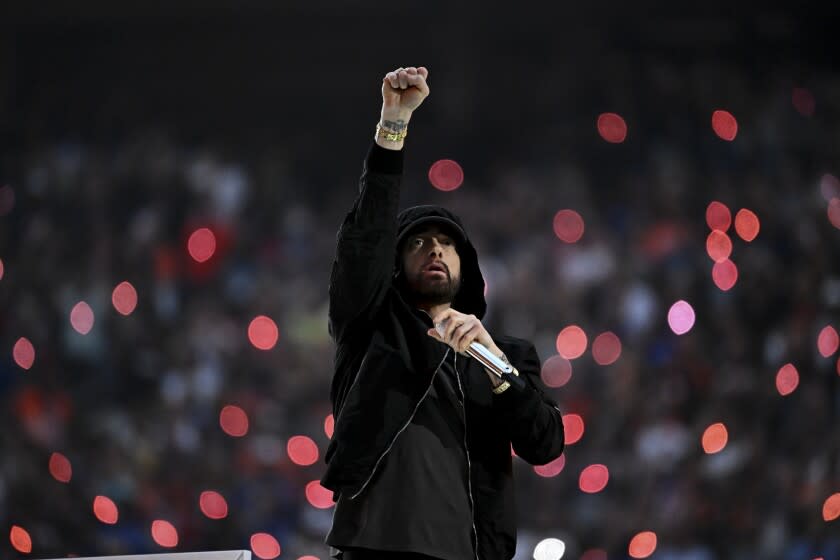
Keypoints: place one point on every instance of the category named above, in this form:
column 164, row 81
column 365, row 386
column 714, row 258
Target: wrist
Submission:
column 392, row 129
column 394, row 116
column 389, row 139
column 495, row 380
column 500, row 385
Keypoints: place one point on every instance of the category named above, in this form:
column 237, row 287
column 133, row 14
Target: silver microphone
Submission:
column 487, row 358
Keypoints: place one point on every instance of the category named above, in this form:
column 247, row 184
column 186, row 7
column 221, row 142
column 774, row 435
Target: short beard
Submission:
column 437, row 293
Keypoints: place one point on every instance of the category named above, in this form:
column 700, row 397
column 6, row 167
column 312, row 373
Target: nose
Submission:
column 436, row 248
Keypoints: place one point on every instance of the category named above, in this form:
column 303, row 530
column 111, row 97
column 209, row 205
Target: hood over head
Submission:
column 470, row 298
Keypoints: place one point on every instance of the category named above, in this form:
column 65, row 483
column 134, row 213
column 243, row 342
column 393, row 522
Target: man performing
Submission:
column 420, row 458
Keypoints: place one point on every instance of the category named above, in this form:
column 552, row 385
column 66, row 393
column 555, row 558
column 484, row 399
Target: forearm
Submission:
column 364, row 256
column 377, row 203
column 536, row 429
column 362, row 269
column 534, row 422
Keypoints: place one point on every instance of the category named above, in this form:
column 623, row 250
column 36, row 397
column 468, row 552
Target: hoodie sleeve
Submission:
column 534, row 421
column 364, row 259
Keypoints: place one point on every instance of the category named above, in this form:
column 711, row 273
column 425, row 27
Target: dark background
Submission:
column 124, row 126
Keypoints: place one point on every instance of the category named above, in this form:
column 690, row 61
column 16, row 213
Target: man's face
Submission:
column 431, row 265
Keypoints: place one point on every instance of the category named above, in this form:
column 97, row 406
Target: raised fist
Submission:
column 404, row 89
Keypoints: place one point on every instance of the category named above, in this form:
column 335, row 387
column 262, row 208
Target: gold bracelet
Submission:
column 390, row 135
column 501, row 388
column 506, row 385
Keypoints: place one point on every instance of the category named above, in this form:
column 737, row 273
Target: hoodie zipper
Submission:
column 410, row 418
column 467, row 450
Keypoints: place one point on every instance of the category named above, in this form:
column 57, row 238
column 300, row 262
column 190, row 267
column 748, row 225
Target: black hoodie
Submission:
column 385, row 362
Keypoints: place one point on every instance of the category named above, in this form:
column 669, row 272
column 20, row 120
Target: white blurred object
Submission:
column 638, row 308
column 185, row 436
column 230, row 189
column 268, row 449
column 727, row 461
column 173, row 387
column 549, row 549
column 663, row 444
column 207, row 379
column 586, row 265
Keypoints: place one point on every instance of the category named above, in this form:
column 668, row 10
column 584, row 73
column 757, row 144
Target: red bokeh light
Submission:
column 124, row 298
column 202, row 244
column 20, row 539
column 262, row 332
column 828, row 341
column 319, row 496
column 787, row 379
column 60, row 467
column 24, row 353
column 606, row 348
column 831, row 507
column 2, row 269
column 552, row 468
column 265, row 546
column 715, row 438
column 81, row 317
column 642, row 544
column 834, row 212
column 594, row 478
column 612, row 128
column 234, row 421
column 718, row 246
column 747, row 224
column 302, row 450
column 724, row 125
column 329, row 425
column 725, row 274
column 164, row 533
column 568, row 225
column 718, row 216
column 213, row 504
column 571, row 342
column 309, row 557
column 803, row 101
column 446, row 175
column 105, row 510
column 681, row 317
column 556, row 371
column 573, row 427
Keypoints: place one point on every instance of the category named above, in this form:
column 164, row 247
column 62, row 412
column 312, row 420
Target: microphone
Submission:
column 488, row 359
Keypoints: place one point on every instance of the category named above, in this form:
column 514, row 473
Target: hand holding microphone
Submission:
column 466, row 335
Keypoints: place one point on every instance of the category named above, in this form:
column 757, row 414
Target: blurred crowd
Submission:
column 134, row 404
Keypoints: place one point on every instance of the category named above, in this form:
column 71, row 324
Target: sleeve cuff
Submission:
column 515, row 400
column 381, row 160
